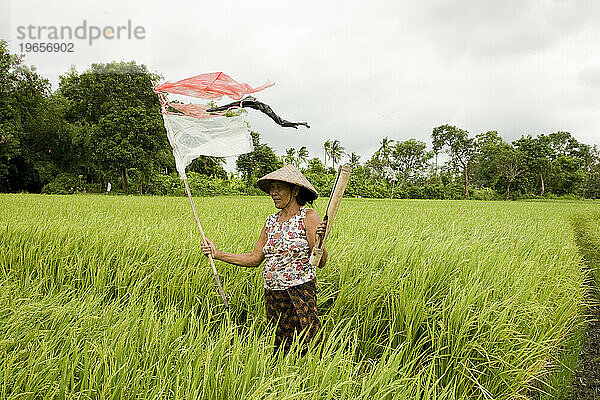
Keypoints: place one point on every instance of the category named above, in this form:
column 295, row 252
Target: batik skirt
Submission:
column 294, row 310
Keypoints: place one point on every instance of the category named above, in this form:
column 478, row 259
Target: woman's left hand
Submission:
column 321, row 228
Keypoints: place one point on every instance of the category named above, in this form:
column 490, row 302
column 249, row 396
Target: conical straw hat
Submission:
column 288, row 173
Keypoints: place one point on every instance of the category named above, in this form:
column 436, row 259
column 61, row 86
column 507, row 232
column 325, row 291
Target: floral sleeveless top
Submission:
column 287, row 253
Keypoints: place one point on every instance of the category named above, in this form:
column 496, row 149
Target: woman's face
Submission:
column 281, row 193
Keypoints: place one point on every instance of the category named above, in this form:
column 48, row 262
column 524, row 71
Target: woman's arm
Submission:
column 314, row 226
column 253, row 259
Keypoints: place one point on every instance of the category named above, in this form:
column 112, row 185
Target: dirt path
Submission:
column 586, row 384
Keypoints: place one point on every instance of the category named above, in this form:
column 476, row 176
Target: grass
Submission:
column 110, row 297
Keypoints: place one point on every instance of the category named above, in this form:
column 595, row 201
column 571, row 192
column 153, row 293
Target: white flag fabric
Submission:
column 219, row 137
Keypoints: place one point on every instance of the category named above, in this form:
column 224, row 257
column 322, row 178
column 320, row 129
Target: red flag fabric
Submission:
column 194, row 110
column 211, row 86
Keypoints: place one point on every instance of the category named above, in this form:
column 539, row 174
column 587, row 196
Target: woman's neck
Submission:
column 289, row 211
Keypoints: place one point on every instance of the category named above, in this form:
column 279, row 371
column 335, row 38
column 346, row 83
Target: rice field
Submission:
column 110, row 297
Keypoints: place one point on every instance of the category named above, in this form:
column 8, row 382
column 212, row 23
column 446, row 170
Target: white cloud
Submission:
column 589, row 77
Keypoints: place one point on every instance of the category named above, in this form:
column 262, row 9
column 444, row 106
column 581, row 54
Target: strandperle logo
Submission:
column 84, row 31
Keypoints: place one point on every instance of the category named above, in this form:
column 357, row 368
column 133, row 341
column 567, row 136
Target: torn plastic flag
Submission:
column 219, row 137
column 193, row 110
column 211, row 86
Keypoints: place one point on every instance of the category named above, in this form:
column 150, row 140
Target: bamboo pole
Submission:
column 212, row 262
column 337, row 193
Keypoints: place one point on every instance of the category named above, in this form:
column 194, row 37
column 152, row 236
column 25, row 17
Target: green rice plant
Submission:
column 111, row 297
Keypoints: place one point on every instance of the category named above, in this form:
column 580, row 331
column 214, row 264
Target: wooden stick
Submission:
column 212, row 263
column 332, row 207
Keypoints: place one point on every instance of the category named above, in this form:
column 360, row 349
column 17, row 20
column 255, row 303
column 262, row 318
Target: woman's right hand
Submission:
column 209, row 248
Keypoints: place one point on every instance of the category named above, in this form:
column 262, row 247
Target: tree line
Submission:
column 104, row 125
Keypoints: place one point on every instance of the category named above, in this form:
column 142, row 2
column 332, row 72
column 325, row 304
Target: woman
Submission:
column 286, row 242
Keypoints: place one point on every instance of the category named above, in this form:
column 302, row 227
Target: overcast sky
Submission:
column 358, row 71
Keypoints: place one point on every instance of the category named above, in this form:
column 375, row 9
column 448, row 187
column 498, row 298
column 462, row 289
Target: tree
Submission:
column 484, row 169
column 209, row 166
column 497, row 164
column 570, row 160
column 592, row 178
column 438, row 139
column 128, row 139
column 460, row 147
column 378, row 166
column 556, row 163
column 48, row 144
column 354, row 160
column 374, row 167
column 489, row 138
column 290, row 156
column 116, row 103
column 10, row 126
column 509, row 165
column 35, row 142
column 409, row 159
column 326, row 150
column 315, row 166
column 385, row 150
column 537, row 157
column 336, row 152
column 9, row 148
column 302, row 155
column 562, row 143
column 568, row 176
column 259, row 162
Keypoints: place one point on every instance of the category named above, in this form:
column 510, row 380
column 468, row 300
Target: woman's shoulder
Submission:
column 310, row 211
column 311, row 214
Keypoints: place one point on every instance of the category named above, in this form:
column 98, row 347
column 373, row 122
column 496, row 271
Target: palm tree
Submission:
column 354, row 160
column 327, row 148
column 290, row 156
column 385, row 149
column 302, row 154
column 336, row 152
